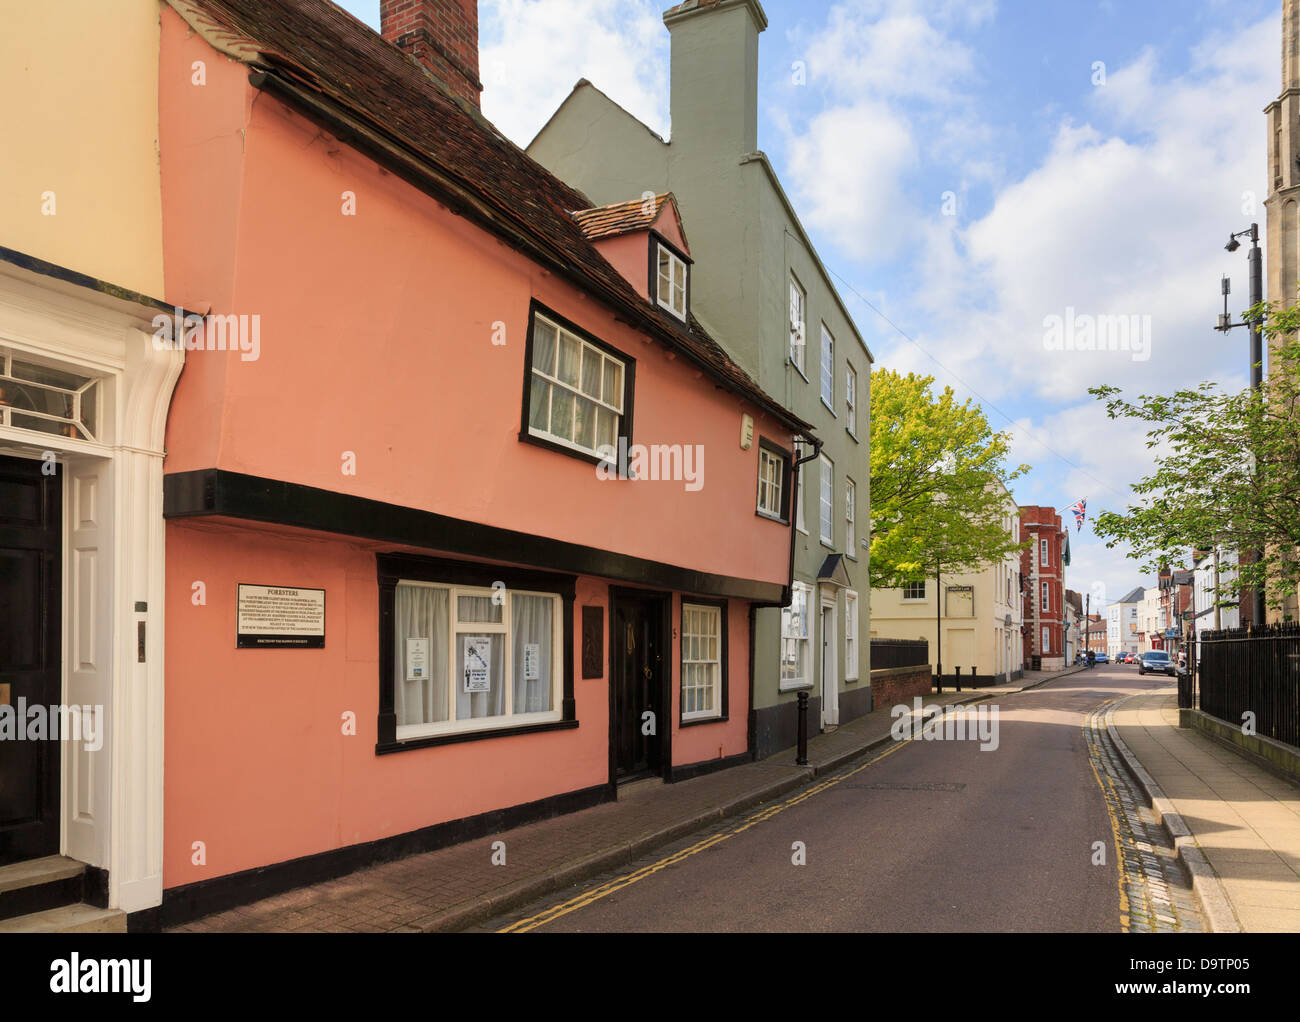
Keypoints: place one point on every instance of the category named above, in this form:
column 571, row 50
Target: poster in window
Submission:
column 417, row 659
column 532, row 661
column 478, row 663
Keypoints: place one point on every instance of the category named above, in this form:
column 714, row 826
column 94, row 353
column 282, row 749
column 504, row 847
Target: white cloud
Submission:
column 892, row 74
column 846, row 165
column 1112, row 224
column 533, row 51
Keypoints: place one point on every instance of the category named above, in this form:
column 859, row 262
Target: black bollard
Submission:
column 938, row 678
column 802, row 758
column 958, row 679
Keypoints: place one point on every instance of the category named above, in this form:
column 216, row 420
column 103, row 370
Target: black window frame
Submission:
column 625, row 423
column 787, row 459
column 724, row 704
column 395, row 568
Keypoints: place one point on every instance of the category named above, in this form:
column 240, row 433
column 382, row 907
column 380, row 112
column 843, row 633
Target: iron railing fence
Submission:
column 899, row 653
column 1251, row 670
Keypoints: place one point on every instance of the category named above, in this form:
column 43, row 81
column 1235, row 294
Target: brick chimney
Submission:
column 442, row 35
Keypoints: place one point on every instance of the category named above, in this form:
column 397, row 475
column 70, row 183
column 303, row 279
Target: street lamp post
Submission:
column 1254, row 260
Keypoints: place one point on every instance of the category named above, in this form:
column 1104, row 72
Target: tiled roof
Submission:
column 335, row 68
column 621, row 217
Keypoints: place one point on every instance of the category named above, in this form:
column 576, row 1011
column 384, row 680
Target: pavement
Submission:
column 1236, row 826
column 457, row 887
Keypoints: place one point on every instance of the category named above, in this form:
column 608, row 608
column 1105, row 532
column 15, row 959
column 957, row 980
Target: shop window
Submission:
column 468, row 656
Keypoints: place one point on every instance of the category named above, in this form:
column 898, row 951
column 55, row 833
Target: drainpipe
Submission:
column 785, row 595
column 815, row 453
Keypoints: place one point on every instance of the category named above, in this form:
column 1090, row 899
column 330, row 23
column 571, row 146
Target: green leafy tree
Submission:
column 938, row 473
column 1227, row 472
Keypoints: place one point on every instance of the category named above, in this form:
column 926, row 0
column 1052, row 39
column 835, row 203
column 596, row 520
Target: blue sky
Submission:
column 1097, row 154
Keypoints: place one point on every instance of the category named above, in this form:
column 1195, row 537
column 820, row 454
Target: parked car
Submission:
column 1103, row 658
column 1156, row 661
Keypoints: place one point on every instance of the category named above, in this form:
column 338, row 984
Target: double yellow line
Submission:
column 1111, row 798
column 613, row 886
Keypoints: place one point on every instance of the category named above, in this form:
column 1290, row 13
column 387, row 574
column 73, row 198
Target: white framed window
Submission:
column 914, row 591
column 828, row 368
column 1046, row 598
column 795, row 639
column 851, row 399
column 1044, row 553
column 827, row 482
column 671, row 289
column 1047, row 639
column 798, row 324
column 773, row 467
column 40, row 397
column 850, row 635
column 702, row 661
column 576, row 391
column 474, row 659
column 850, row 530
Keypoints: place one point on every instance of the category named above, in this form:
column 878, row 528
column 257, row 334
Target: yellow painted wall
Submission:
column 79, row 118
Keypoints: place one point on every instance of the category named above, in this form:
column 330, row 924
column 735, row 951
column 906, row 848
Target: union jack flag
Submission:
column 1080, row 512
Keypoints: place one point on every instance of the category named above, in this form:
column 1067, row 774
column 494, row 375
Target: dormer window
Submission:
column 671, row 282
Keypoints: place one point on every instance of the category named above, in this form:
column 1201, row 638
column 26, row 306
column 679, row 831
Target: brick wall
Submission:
column 893, row 686
column 442, row 35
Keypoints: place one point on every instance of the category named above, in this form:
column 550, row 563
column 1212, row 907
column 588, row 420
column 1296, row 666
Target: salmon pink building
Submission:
column 467, row 518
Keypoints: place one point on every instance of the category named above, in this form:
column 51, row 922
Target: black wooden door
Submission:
column 30, row 614
column 637, row 686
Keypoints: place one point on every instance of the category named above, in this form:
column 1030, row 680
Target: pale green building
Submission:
column 758, row 286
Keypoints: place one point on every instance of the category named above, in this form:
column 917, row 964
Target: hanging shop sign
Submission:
column 280, row 617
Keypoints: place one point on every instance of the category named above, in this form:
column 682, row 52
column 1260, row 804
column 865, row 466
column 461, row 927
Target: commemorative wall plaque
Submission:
column 280, row 617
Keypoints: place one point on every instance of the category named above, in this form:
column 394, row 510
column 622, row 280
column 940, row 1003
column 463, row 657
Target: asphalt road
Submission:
column 931, row 836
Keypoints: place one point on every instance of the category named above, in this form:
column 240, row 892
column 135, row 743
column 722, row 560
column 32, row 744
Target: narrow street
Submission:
column 922, row 836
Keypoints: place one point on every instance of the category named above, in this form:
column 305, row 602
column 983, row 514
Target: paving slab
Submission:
column 1241, row 821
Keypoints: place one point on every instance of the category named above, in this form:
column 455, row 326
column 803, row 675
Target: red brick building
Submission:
column 1043, row 565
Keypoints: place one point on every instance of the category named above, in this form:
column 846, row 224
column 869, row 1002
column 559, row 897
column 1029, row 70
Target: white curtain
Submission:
column 532, row 625
column 420, row 612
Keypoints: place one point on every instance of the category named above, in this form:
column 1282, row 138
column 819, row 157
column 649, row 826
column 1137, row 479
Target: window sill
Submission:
column 453, row 737
column 695, row 721
column 829, row 407
column 802, row 686
column 852, row 434
column 828, row 545
column 795, row 366
column 772, row 518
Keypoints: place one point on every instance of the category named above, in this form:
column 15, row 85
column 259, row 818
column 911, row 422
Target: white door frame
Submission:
column 829, row 655
column 111, row 800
